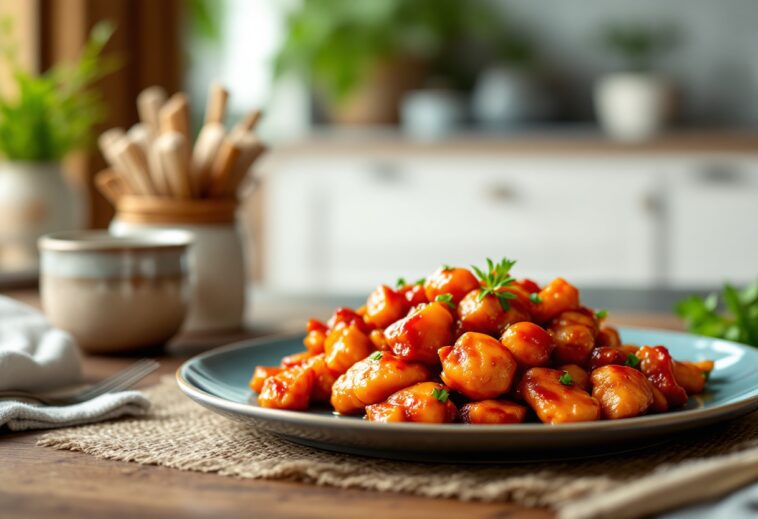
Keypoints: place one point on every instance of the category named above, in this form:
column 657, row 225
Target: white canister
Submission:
column 35, row 199
column 217, row 267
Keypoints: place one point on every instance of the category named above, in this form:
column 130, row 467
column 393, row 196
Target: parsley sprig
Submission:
column 377, row 355
column 497, row 277
column 632, row 360
column 566, row 379
column 440, row 394
column 446, row 299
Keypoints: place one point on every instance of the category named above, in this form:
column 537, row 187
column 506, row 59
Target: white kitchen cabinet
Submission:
column 712, row 216
column 344, row 223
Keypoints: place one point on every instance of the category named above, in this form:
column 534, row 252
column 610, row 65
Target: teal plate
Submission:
column 218, row 380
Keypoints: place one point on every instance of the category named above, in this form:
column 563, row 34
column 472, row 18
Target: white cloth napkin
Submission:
column 34, row 356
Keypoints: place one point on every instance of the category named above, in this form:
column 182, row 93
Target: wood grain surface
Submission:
column 42, row 482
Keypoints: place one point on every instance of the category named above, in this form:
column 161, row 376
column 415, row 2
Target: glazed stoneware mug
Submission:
column 116, row 294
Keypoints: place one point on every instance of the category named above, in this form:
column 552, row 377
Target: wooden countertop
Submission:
column 561, row 140
column 42, row 482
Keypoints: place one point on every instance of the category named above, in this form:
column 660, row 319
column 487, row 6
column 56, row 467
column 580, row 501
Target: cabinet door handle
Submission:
column 501, row 193
column 720, row 173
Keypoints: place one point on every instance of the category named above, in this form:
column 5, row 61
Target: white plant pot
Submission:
column 35, row 199
column 633, row 107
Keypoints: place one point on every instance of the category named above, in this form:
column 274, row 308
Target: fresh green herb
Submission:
column 420, row 281
column 632, row 360
column 495, row 279
column 400, row 283
column 446, row 267
column 706, row 375
column 601, row 314
column 440, row 394
column 445, row 298
column 566, row 379
column 735, row 320
column 377, row 355
column 53, row 113
column 535, row 298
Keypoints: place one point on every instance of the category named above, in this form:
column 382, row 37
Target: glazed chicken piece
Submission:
column 414, row 294
column 315, row 336
column 454, row 281
column 343, row 316
column 323, row 378
column 556, row 297
column 372, row 380
column 418, row 336
column 478, row 366
column 260, row 375
column 378, row 339
column 385, row 306
column 608, row 336
column 296, row 359
column 345, row 346
column 426, row 402
column 579, row 375
column 290, row 389
column 690, row 376
column 605, row 355
column 554, row 401
column 492, row 412
column 623, row 392
column 487, row 315
column 658, row 367
column 573, row 333
column 530, row 344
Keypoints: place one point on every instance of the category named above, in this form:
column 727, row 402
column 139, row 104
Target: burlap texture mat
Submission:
column 179, row 433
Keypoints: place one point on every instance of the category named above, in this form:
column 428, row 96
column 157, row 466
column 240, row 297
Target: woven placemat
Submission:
column 181, row 434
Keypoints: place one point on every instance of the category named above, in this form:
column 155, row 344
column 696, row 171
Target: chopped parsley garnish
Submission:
column 400, row 283
column 445, row 298
column 601, row 314
column 440, row 394
column 706, row 375
column 446, row 267
column 632, row 360
column 534, row 297
column 420, row 281
column 495, row 279
column 566, row 379
column 377, row 355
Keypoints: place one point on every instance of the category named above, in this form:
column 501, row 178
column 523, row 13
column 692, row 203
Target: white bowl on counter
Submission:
column 116, row 294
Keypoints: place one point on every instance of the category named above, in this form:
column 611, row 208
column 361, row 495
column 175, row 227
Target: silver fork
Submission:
column 121, row 380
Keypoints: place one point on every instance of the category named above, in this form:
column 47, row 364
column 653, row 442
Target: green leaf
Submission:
column 632, row 360
column 495, row 280
column 377, row 355
column 446, row 299
column 566, row 379
column 440, row 394
column 601, row 314
column 420, row 281
column 400, row 283
column 534, row 297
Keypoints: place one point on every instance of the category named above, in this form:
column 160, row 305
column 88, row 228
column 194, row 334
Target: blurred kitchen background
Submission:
column 614, row 143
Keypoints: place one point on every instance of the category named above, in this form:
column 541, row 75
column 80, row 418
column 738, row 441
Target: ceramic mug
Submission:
column 116, row 293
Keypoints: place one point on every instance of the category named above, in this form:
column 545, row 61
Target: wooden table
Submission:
column 42, row 482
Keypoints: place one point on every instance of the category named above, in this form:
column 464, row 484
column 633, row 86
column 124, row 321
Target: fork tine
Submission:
column 107, row 384
column 129, row 382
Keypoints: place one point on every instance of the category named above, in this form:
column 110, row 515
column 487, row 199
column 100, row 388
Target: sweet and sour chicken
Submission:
column 477, row 347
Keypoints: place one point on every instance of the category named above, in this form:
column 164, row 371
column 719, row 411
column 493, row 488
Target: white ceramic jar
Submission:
column 116, row 294
column 633, row 107
column 35, row 199
column 217, row 267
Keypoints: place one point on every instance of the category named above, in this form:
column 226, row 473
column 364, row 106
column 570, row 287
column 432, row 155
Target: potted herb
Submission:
column 635, row 103
column 45, row 118
column 361, row 57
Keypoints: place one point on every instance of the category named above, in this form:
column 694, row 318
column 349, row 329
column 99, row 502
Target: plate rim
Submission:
column 303, row 418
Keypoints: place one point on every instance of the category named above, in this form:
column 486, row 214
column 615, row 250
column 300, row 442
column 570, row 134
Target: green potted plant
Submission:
column 46, row 117
column 635, row 103
column 360, row 57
